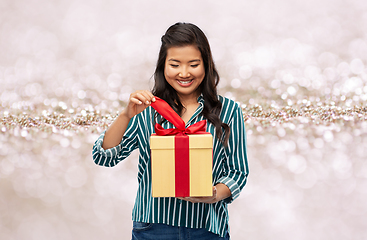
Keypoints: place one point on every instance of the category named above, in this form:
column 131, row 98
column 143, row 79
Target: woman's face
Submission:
column 184, row 70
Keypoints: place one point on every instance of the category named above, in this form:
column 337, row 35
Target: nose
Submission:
column 184, row 73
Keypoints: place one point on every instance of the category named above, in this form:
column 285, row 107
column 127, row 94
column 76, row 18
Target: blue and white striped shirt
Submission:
column 229, row 167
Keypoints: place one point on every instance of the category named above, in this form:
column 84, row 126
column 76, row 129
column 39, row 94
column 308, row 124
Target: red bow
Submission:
column 168, row 113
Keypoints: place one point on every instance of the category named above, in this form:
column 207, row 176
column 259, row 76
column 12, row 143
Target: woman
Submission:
column 186, row 78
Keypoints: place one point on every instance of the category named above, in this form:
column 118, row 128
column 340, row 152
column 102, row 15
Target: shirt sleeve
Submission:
column 112, row 156
column 236, row 165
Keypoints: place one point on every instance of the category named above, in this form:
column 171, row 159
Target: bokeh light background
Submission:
column 298, row 69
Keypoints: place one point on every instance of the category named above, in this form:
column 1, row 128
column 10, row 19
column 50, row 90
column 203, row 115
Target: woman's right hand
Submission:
column 138, row 101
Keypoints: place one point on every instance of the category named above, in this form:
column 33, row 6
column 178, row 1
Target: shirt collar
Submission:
column 198, row 110
column 201, row 99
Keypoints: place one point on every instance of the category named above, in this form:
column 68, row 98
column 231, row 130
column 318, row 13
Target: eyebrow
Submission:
column 175, row 60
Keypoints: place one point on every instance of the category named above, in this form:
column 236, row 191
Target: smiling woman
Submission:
column 186, row 78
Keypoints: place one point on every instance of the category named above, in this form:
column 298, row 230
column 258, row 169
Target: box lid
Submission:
column 168, row 142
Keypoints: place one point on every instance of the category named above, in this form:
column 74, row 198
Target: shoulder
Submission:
column 228, row 104
column 229, row 109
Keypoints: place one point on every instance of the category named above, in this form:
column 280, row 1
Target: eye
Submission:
column 173, row 65
column 195, row 65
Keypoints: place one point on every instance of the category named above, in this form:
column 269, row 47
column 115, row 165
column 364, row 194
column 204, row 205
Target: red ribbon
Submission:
column 168, row 113
column 182, row 163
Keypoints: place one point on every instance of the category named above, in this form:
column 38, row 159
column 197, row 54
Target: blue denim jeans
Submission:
column 158, row 231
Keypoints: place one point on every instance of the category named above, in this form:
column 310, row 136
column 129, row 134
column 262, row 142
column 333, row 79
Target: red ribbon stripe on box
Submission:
column 182, row 161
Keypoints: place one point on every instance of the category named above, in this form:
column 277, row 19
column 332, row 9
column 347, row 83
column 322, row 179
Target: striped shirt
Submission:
column 229, row 167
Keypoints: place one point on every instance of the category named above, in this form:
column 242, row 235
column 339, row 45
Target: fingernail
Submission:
column 147, row 102
column 153, row 99
column 140, row 102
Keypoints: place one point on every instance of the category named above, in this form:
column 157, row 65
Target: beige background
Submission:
column 298, row 69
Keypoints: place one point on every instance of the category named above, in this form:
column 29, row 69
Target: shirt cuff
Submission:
column 233, row 187
column 111, row 152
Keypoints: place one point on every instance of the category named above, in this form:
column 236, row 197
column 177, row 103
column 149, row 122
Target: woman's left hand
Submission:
column 220, row 192
column 210, row 199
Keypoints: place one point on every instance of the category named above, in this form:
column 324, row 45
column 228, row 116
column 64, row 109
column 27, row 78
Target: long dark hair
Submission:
column 179, row 35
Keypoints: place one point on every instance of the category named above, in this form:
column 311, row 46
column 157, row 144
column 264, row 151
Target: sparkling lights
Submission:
column 298, row 69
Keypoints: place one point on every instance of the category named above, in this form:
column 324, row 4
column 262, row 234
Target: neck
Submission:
column 187, row 100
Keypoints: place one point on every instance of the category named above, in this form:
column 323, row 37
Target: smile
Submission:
column 185, row 83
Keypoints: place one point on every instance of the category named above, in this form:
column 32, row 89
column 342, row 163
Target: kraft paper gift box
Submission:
column 181, row 158
column 193, row 176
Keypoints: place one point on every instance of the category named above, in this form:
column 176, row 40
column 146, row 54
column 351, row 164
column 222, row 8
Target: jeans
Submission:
column 158, row 231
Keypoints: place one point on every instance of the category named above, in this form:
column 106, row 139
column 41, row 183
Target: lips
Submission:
column 185, row 83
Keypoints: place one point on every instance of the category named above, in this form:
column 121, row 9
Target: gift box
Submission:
column 191, row 176
column 181, row 158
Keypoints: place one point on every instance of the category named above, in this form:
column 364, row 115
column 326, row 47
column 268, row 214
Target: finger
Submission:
column 141, row 96
column 189, row 199
column 197, row 199
column 136, row 101
column 134, row 98
column 148, row 96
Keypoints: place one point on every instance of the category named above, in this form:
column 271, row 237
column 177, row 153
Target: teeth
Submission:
column 185, row 82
